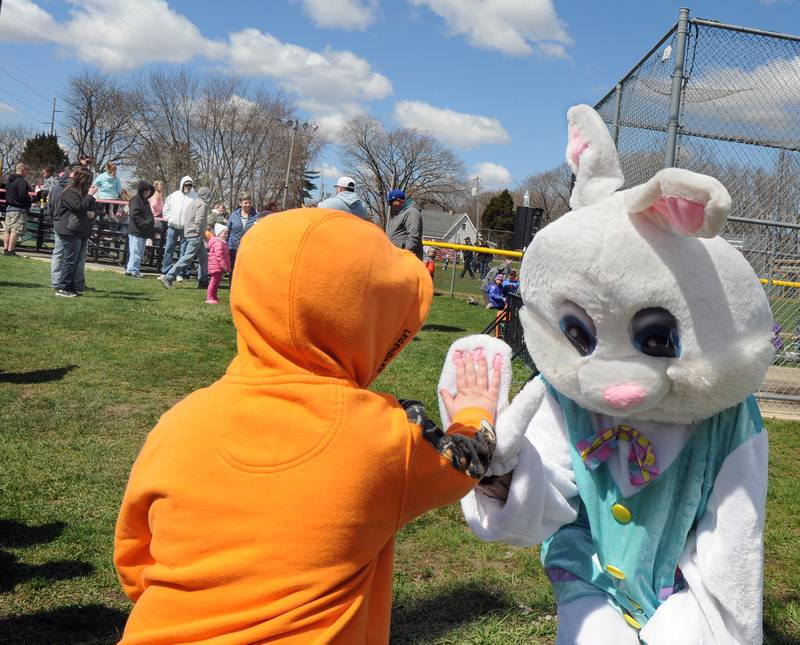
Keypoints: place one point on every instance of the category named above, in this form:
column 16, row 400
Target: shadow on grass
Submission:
column 23, row 285
column 36, row 376
column 89, row 624
column 17, row 534
column 13, row 572
column 445, row 328
column 781, row 633
column 429, row 618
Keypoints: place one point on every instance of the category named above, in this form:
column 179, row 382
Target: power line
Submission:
column 16, row 109
column 27, row 105
column 21, row 82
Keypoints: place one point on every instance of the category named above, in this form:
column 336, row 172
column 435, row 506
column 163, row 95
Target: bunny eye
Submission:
column 654, row 331
column 578, row 327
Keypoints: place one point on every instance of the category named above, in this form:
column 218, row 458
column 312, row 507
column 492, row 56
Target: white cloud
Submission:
column 326, row 76
column 24, row 21
column 492, row 175
column 114, row 35
column 349, row 15
column 330, row 173
column 331, row 84
column 8, row 108
column 452, row 128
column 119, row 35
column 514, row 27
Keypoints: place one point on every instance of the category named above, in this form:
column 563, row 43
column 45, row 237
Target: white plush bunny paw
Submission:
column 493, row 349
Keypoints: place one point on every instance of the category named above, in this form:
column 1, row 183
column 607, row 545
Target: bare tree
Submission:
column 412, row 161
column 12, row 142
column 241, row 143
column 98, row 117
column 218, row 130
column 163, row 107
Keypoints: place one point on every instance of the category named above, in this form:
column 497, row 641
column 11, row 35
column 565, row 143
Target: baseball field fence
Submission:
column 724, row 100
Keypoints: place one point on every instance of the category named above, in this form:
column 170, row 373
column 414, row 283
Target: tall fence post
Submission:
column 453, row 274
column 617, row 111
column 677, row 88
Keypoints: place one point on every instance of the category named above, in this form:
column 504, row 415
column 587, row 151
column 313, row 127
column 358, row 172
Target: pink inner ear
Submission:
column 678, row 215
column 576, row 146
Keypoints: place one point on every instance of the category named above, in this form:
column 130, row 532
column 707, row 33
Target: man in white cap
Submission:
column 346, row 199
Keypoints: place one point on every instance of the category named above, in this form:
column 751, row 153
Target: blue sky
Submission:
column 491, row 78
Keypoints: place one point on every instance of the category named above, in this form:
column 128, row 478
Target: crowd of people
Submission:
column 80, row 204
column 187, row 223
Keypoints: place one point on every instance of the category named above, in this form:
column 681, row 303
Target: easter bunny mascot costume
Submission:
column 637, row 459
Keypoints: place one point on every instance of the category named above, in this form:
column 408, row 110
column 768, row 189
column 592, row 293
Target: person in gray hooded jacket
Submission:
column 194, row 229
column 346, row 199
column 404, row 227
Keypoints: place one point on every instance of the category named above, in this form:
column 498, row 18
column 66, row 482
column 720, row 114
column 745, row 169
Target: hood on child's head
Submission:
column 299, row 308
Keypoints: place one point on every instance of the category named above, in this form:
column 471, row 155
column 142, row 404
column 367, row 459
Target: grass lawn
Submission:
column 83, row 380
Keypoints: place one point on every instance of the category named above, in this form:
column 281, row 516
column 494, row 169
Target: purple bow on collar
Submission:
column 642, row 465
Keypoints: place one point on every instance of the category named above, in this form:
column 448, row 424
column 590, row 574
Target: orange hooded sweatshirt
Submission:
column 263, row 508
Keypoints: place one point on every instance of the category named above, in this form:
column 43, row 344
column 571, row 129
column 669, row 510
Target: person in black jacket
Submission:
column 50, row 211
column 73, row 225
column 18, row 203
column 468, row 259
column 141, row 226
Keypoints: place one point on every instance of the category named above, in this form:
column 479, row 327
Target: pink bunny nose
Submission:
column 624, row 396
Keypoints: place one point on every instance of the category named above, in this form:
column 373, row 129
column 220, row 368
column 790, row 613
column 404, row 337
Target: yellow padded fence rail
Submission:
column 476, row 249
column 518, row 254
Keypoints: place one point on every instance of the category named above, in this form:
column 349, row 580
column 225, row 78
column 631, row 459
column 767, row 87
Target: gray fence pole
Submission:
column 617, row 111
column 677, row 88
column 453, row 275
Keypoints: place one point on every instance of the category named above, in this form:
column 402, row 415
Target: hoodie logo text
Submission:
column 395, row 348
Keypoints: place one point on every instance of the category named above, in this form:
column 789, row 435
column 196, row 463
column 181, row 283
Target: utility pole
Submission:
column 53, row 118
column 294, row 124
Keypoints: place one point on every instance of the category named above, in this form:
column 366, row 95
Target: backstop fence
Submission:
column 724, row 100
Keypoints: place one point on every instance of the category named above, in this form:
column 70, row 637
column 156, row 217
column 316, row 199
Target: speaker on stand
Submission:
column 526, row 223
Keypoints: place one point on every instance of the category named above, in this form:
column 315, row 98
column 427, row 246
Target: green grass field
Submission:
column 83, row 380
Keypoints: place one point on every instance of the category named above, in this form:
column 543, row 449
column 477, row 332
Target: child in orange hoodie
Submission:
column 263, row 508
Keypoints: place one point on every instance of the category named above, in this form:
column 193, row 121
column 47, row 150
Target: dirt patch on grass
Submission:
column 123, row 410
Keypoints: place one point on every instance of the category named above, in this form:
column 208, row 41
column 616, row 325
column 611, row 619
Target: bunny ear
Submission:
column 592, row 157
column 681, row 202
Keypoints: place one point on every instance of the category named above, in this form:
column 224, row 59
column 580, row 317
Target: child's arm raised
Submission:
column 444, row 466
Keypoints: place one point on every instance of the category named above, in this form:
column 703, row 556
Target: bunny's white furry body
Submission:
column 635, row 310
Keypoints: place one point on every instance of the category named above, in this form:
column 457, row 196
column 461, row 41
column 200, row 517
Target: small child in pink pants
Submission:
column 219, row 261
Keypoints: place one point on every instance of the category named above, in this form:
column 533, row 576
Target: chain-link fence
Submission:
column 725, row 101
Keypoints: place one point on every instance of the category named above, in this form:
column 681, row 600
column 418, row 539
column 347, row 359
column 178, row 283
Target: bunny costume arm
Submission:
column 543, row 495
column 718, row 607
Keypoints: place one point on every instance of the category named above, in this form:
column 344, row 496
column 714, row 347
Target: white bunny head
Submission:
column 634, row 307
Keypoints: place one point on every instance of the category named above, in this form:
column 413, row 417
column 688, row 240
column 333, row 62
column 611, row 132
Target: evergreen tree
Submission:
column 499, row 212
column 43, row 150
column 309, row 184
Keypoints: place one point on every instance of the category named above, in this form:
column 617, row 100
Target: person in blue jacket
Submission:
column 497, row 299
column 510, row 282
column 239, row 223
